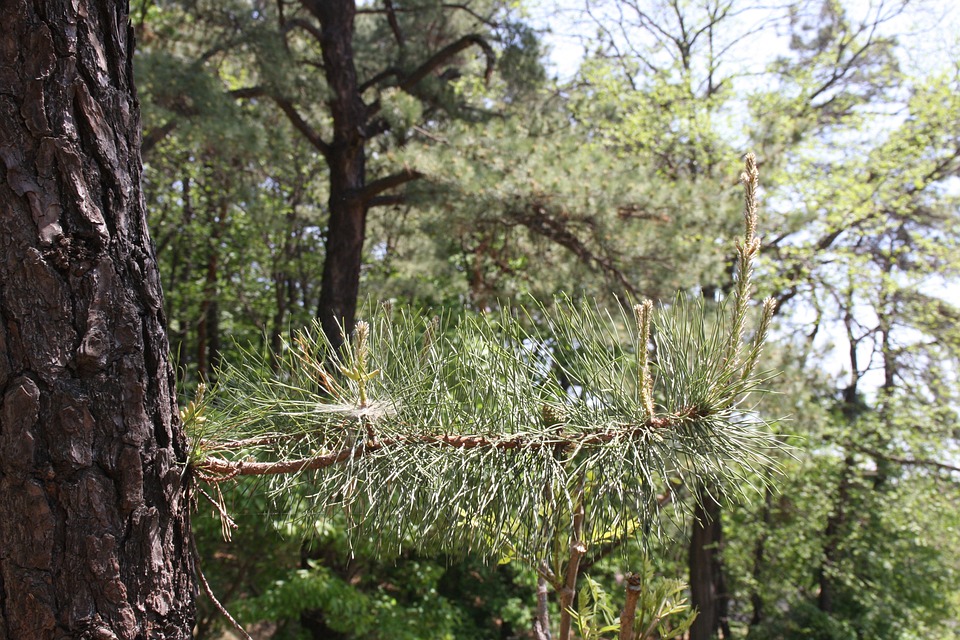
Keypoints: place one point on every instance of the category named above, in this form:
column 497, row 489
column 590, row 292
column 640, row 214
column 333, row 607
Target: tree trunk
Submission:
column 759, row 559
column 832, row 535
column 93, row 521
column 346, row 157
column 708, row 593
column 208, row 325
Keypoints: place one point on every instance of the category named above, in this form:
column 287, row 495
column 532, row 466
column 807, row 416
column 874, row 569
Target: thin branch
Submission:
column 306, row 26
column 577, row 549
column 152, row 138
column 559, row 442
column 213, row 598
column 387, row 201
column 409, row 82
column 301, row 125
column 916, row 462
column 629, row 614
column 298, row 122
column 244, row 93
column 155, row 135
column 430, row 136
column 541, row 625
column 557, row 230
column 394, row 24
column 389, row 72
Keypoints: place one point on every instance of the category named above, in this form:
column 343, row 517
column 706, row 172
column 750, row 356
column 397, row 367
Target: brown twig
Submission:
column 560, row 441
column 914, row 462
column 577, row 549
column 216, row 603
column 629, row 613
column 541, row 626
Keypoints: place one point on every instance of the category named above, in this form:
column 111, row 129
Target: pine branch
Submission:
column 289, row 110
column 559, row 443
column 441, row 56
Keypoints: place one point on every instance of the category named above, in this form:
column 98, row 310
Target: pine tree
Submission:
column 94, row 524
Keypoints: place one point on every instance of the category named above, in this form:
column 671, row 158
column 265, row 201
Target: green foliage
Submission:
column 803, row 622
column 596, row 615
column 356, row 614
column 662, row 609
column 338, row 587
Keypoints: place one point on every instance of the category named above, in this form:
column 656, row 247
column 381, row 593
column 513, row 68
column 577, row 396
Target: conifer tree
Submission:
column 94, row 522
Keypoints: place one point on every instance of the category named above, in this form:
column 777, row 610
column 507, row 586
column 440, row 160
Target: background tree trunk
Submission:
column 93, row 520
column 708, row 593
column 346, row 156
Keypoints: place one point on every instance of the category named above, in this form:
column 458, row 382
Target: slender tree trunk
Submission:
column 346, row 157
column 177, row 318
column 832, row 536
column 279, row 317
column 708, row 593
column 759, row 559
column 208, row 325
column 93, row 520
column 629, row 614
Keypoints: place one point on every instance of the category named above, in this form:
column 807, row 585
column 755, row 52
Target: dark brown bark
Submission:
column 346, row 157
column 93, row 520
column 708, row 593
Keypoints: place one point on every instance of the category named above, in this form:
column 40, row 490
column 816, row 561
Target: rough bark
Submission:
column 93, row 520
